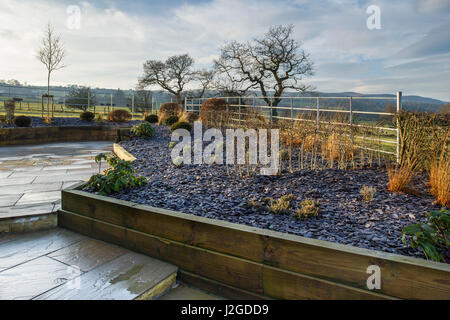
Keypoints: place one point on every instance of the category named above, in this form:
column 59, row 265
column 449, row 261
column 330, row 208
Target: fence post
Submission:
column 110, row 103
column 185, row 104
column 399, row 108
column 351, row 119
column 64, row 100
column 292, row 112
column 132, row 107
column 271, row 110
column 318, row 113
column 89, row 101
column 240, row 110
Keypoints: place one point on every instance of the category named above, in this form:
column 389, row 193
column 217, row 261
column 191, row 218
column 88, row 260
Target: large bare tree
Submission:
column 51, row 54
column 171, row 75
column 273, row 63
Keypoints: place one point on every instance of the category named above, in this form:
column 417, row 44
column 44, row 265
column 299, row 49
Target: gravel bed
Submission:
column 207, row 190
column 67, row 122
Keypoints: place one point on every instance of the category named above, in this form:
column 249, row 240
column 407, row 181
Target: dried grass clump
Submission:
column 119, row 116
column 310, row 208
column 216, row 113
column 400, row 177
column 439, row 170
column 310, row 142
column 169, row 109
column 281, row 205
column 339, row 146
column 368, row 193
column 189, row 117
column 440, row 181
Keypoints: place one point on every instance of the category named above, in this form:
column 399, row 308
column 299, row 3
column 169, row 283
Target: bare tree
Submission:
column 205, row 78
column 51, row 54
column 275, row 63
column 171, row 75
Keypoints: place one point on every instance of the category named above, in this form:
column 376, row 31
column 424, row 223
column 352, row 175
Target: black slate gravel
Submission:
column 67, row 122
column 207, row 190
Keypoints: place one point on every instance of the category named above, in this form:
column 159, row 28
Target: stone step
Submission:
column 130, row 277
column 59, row 264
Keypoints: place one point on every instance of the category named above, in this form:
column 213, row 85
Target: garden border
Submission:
column 23, row 136
column 261, row 262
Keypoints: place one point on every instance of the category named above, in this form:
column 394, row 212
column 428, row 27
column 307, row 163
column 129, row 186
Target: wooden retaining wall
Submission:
column 23, row 136
column 256, row 261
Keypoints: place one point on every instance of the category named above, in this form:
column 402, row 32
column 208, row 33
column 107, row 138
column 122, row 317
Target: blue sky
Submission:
column 410, row 53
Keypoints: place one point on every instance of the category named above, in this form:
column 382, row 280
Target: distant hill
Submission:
column 413, row 103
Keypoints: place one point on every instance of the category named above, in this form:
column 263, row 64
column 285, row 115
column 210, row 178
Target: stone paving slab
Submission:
column 32, row 177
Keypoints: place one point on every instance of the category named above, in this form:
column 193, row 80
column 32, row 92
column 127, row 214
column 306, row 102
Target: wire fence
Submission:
column 32, row 101
column 371, row 130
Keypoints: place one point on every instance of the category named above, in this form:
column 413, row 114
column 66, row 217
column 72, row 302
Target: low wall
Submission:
column 23, row 136
column 257, row 261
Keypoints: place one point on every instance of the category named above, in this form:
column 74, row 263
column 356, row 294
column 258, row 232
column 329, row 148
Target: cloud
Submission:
column 115, row 39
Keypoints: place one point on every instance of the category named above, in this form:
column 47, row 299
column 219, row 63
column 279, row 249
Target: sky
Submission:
column 108, row 42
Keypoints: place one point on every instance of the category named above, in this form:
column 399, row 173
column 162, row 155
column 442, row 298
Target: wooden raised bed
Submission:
column 22, row 136
column 257, row 262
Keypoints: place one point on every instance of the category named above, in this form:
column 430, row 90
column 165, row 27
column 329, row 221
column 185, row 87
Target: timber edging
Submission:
column 258, row 261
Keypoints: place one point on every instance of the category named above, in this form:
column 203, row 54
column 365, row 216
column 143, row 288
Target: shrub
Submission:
column 189, row 117
column 169, row 109
column 119, row 176
column 22, row 121
column 430, row 236
column 171, row 120
column 310, row 208
column 368, row 193
column 181, row 125
column 153, row 118
column 119, row 116
column 87, row 116
column 439, row 170
column 143, row 130
column 215, row 112
column 178, row 161
column 172, row 145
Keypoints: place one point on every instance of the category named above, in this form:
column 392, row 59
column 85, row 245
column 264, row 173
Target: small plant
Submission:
column 180, row 125
column 310, row 208
column 172, row 145
column 143, row 130
column 87, row 116
column 153, row 118
column 119, row 116
column 99, row 118
column 284, row 154
column 118, row 177
column 430, row 236
column 281, row 205
column 171, row 120
column 48, row 120
column 178, row 161
column 368, row 193
column 22, row 121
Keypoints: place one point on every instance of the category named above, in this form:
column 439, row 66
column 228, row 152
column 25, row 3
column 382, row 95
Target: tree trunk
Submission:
column 48, row 95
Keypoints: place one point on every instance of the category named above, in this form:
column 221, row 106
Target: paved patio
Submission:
column 62, row 265
column 32, row 177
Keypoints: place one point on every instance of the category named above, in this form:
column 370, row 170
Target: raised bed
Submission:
column 256, row 262
column 23, row 136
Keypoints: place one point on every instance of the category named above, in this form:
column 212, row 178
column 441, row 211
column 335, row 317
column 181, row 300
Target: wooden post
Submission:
column 351, row 119
column 318, row 114
column 292, row 112
column 399, row 108
column 132, row 107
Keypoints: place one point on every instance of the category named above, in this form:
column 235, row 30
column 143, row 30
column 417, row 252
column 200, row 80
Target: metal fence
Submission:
column 290, row 107
column 29, row 102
